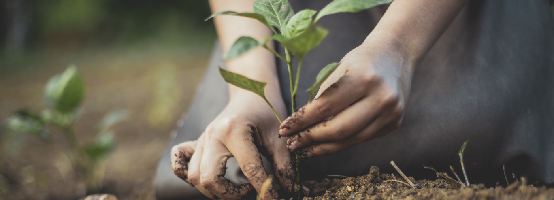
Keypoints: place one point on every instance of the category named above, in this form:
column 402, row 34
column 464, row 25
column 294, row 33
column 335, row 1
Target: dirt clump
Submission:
column 376, row 185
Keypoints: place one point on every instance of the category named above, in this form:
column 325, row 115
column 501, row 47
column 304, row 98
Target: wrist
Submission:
column 381, row 42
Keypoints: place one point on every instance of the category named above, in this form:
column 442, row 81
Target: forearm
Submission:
column 413, row 26
column 258, row 64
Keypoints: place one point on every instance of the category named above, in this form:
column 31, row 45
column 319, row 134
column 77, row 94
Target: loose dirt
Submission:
column 376, row 185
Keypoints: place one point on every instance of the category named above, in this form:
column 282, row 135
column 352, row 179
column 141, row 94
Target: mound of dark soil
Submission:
column 376, row 185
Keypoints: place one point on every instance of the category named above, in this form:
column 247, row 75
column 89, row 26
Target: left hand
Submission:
column 365, row 96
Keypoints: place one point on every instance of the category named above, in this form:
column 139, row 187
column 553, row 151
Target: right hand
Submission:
column 245, row 129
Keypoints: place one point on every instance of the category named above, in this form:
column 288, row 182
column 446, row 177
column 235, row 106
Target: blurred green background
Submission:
column 145, row 56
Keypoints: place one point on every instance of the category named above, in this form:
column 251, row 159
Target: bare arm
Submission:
column 259, row 64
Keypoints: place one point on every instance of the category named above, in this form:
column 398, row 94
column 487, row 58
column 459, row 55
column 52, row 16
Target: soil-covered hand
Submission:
column 363, row 99
column 245, row 129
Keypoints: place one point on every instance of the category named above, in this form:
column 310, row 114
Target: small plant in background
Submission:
column 298, row 34
column 55, row 126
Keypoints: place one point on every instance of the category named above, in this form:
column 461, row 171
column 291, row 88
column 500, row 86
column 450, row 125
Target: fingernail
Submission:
column 283, row 131
column 309, row 154
column 306, row 190
column 293, row 145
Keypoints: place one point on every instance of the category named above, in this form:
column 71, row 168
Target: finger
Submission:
column 212, row 175
column 180, row 158
column 243, row 147
column 320, row 149
column 349, row 121
column 283, row 166
column 194, row 169
column 335, row 99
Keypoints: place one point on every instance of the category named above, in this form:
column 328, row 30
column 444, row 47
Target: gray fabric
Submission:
column 488, row 79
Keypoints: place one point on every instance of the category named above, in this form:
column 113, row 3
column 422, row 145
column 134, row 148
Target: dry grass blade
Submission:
column 402, row 174
column 445, row 176
column 455, row 174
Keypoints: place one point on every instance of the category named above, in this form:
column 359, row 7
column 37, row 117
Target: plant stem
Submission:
column 464, row 170
column 300, row 61
column 275, row 53
column 291, row 78
column 273, row 109
column 293, row 102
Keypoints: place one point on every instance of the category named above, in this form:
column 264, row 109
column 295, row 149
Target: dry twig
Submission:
column 402, row 174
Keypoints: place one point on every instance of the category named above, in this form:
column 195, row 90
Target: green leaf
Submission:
column 276, row 12
column 352, row 6
column 22, row 124
column 111, row 119
column 49, row 90
column 255, row 16
column 243, row 82
column 461, row 153
column 299, row 22
column 65, row 92
column 278, row 38
column 247, row 84
column 100, row 148
column 306, row 41
column 321, row 77
column 243, row 45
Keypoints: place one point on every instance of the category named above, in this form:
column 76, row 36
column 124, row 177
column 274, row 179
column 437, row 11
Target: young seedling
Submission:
column 461, row 154
column 298, row 34
column 63, row 94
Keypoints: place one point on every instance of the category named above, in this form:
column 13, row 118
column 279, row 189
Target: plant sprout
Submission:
column 63, row 94
column 298, row 34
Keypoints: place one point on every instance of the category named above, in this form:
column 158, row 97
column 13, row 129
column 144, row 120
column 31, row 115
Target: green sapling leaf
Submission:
column 247, row 84
column 321, row 77
column 243, row 82
column 22, row 124
column 278, row 38
column 306, row 41
column 102, row 145
column 256, row 16
column 65, row 91
column 299, row 22
column 352, row 6
column 243, row 45
column 276, row 12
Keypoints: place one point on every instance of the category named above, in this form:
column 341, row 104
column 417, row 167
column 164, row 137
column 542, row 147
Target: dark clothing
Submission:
column 489, row 79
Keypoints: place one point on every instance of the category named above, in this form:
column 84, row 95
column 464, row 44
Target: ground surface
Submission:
column 154, row 83
column 376, row 185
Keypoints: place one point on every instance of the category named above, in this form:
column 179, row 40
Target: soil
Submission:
column 376, row 185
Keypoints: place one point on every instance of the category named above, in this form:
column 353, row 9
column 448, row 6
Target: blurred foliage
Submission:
column 64, row 93
column 108, row 22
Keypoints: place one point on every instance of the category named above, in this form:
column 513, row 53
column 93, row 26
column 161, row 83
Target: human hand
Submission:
column 365, row 96
column 245, row 129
